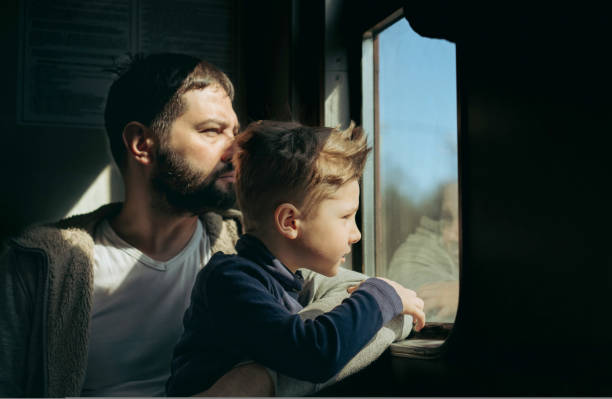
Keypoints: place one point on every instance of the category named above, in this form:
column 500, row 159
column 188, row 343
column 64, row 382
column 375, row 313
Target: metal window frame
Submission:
column 370, row 194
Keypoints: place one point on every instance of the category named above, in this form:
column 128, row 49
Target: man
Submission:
column 428, row 260
column 93, row 304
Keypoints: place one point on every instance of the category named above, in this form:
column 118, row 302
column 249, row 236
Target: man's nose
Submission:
column 229, row 152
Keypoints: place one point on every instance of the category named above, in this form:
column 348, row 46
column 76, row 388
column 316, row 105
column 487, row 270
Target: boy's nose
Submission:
column 355, row 235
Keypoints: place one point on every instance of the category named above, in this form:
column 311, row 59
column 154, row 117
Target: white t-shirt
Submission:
column 137, row 314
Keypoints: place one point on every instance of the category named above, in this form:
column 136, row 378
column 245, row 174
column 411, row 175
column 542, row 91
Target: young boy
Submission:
column 298, row 189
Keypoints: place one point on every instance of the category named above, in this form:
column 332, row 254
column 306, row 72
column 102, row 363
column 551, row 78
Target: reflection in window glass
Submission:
column 418, row 167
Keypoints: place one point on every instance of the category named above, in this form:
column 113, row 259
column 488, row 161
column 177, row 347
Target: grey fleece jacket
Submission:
column 46, row 290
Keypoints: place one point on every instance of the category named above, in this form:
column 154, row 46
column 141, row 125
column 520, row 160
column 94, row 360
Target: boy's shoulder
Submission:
column 221, row 261
column 231, row 275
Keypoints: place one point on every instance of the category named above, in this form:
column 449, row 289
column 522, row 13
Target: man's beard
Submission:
column 185, row 191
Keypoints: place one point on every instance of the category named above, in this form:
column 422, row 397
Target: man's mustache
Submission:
column 221, row 169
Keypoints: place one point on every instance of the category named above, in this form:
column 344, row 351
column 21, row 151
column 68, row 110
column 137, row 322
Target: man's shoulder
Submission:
column 217, row 218
column 223, row 229
column 65, row 235
column 88, row 221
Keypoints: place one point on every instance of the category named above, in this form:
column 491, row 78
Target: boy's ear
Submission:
column 286, row 220
column 139, row 142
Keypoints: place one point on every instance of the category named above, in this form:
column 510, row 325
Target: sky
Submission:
column 418, row 111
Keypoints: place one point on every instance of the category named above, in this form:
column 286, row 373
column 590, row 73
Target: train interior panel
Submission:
column 486, row 190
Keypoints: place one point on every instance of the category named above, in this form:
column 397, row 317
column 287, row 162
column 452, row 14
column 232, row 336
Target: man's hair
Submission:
column 278, row 162
column 149, row 90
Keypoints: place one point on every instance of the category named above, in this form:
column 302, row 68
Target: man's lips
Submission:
column 227, row 176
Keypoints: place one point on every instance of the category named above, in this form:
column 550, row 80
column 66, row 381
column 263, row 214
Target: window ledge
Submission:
column 417, row 348
column 424, row 344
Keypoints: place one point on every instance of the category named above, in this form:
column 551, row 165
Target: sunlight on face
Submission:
column 329, row 231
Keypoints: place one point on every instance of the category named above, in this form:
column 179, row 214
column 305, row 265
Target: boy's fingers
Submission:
column 353, row 287
column 419, row 320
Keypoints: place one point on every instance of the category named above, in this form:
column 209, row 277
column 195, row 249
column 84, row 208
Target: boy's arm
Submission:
column 314, row 350
column 320, row 294
column 324, row 293
column 398, row 328
column 253, row 379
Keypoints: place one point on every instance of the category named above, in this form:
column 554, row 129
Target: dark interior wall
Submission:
column 283, row 60
column 534, row 86
column 534, row 99
column 267, row 42
column 280, row 49
column 45, row 170
column 357, row 17
column 284, row 55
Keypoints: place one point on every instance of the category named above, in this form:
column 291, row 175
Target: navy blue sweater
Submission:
column 243, row 307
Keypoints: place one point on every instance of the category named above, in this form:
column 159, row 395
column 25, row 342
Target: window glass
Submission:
column 417, row 222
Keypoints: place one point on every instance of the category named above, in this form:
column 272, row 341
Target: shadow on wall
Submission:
column 46, row 171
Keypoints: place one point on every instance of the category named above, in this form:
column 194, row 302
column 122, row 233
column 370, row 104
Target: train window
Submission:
column 410, row 193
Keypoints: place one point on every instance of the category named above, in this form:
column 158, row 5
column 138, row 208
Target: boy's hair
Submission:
column 149, row 90
column 278, row 162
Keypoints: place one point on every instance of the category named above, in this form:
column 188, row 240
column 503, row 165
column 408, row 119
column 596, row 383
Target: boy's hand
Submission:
column 352, row 288
column 413, row 305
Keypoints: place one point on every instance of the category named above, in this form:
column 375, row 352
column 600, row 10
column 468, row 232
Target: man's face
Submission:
column 193, row 171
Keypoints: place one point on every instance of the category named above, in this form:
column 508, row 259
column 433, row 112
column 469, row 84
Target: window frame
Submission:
column 371, row 199
column 370, row 195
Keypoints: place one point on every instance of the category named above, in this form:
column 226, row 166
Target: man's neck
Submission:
column 156, row 233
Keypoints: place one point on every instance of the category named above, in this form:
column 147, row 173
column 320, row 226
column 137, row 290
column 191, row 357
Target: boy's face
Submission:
column 327, row 234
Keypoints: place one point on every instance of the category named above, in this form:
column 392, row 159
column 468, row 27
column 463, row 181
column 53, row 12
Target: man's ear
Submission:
column 139, row 142
column 287, row 220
